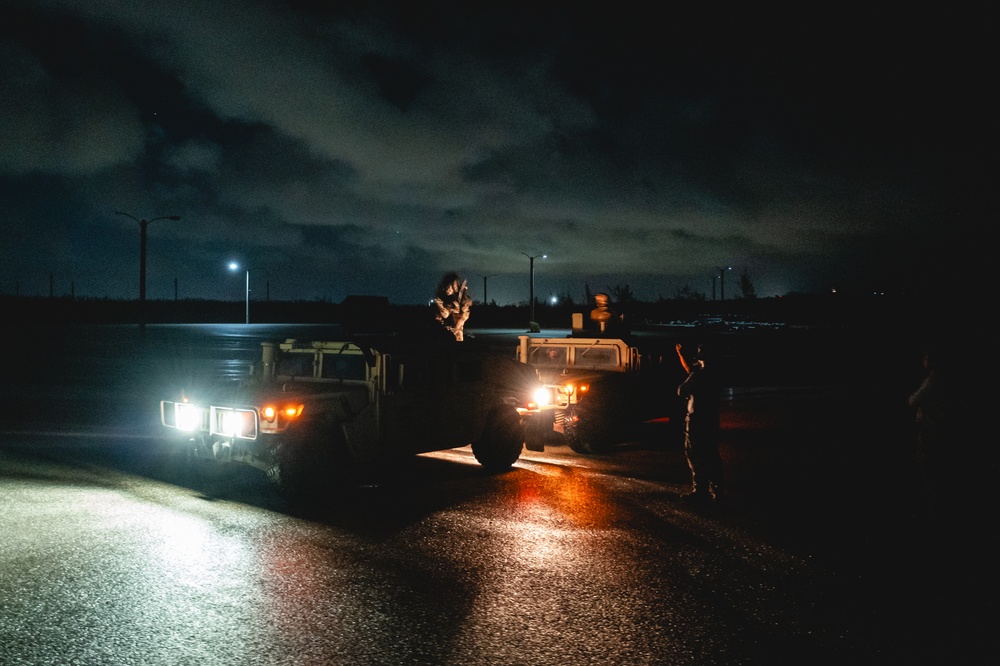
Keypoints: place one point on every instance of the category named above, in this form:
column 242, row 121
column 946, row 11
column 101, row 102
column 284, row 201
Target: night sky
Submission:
column 338, row 148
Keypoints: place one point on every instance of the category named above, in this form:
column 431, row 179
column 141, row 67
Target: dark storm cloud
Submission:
column 370, row 147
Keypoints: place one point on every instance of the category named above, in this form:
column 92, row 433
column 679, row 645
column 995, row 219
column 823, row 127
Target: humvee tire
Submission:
column 600, row 423
column 313, row 460
column 501, row 442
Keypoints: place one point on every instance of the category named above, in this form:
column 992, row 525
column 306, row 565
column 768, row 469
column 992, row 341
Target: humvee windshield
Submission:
column 560, row 356
column 544, row 356
column 343, row 366
column 597, row 357
column 295, row 365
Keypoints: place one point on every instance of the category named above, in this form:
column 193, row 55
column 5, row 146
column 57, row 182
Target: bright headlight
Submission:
column 542, row 397
column 188, row 417
column 231, row 423
column 234, row 423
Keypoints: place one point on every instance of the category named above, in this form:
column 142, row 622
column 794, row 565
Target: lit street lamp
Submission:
column 233, row 266
column 531, row 292
column 722, row 282
column 142, row 258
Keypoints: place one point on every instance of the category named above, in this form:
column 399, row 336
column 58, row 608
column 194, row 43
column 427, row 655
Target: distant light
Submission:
column 555, row 299
column 233, row 266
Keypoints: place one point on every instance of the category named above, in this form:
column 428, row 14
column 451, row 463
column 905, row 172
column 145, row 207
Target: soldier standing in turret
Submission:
column 453, row 304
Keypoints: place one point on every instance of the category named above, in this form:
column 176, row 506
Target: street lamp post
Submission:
column 722, row 291
column 233, row 266
column 531, row 288
column 143, row 223
column 722, row 282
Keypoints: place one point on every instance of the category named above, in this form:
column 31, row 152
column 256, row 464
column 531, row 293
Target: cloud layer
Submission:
column 369, row 149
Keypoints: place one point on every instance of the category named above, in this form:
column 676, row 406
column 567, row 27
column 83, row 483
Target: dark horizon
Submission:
column 913, row 311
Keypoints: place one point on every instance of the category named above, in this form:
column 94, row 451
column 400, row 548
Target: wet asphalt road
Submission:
column 111, row 558
column 112, row 551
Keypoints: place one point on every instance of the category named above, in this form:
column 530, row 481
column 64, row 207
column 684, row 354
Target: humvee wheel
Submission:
column 538, row 432
column 312, row 461
column 592, row 432
column 502, row 441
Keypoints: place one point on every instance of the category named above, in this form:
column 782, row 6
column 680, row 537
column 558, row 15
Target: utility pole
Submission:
column 143, row 223
column 485, row 278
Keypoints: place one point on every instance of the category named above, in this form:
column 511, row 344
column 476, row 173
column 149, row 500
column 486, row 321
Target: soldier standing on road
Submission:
column 701, row 426
column 453, row 304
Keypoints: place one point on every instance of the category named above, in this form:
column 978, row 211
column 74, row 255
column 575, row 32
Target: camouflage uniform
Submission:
column 453, row 304
column 701, row 429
